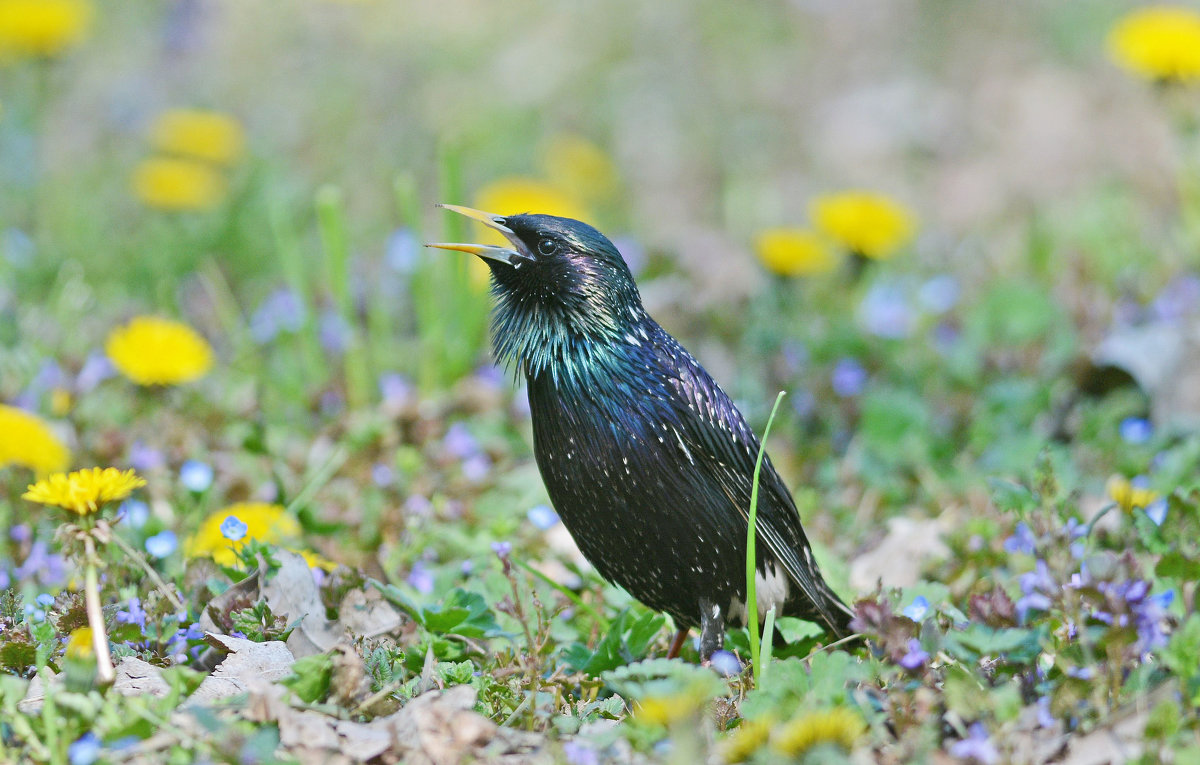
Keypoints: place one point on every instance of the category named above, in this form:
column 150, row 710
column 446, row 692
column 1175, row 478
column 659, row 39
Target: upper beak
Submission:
column 513, row 256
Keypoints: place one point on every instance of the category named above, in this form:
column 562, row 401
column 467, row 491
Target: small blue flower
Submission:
column 333, row 332
column 84, row 750
column 1157, row 511
column 45, row 599
column 1136, row 430
column 196, row 476
column 162, row 544
column 725, row 663
column 233, row 529
column 476, row 467
column 917, row 609
column 849, row 378
column 1081, row 673
column 542, row 517
column 402, row 251
column 134, row 512
column 939, row 294
column 916, row 657
column 885, row 312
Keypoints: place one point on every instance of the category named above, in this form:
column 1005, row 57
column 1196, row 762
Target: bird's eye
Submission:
column 547, row 247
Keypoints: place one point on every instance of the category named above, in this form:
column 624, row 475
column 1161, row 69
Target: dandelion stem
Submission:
column 91, row 591
column 150, row 572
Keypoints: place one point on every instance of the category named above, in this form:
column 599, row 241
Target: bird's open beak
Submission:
column 513, row 256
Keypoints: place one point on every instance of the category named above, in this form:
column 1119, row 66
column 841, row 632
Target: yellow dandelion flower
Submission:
column 1158, row 42
column 79, row 644
column 264, row 522
column 154, row 351
column 793, row 252
column 1128, row 495
column 511, row 196
column 27, row 441
column 169, row 183
column 742, row 743
column 577, row 165
column 839, row 726
column 42, row 27
column 314, row 559
column 864, row 222
column 84, row 491
column 198, row 133
column 666, row 709
column 60, row 401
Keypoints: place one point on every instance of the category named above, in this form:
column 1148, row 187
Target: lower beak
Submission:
column 509, row 255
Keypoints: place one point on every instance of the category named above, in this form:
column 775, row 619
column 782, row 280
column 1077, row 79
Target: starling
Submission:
column 646, row 460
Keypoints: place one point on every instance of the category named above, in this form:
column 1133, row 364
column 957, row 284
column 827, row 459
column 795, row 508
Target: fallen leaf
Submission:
column 247, row 665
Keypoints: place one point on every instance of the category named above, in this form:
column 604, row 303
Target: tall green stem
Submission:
column 752, row 554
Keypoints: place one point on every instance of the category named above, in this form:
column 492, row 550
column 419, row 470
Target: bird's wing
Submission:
column 716, row 435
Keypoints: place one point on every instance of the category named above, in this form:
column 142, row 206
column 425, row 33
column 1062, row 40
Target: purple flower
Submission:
column 233, row 529
column 418, row 505
column 1136, row 430
column 134, row 615
column 333, row 331
column 917, row 609
column 1044, row 717
column 502, row 549
column 976, row 746
column 84, row 750
column 395, row 389
column 580, row 753
column 420, row 578
column 725, row 663
column 1080, row 673
column 42, row 566
column 490, row 376
column 915, row 658
column 162, row 544
column 143, row 458
column 939, row 294
column 476, row 467
column 459, row 443
column 1148, row 618
column 96, row 369
column 885, row 312
column 382, row 475
column 5, row 579
column 1179, row 298
column 282, row 310
column 1021, row 541
column 849, row 378
column 20, row 533
column 542, row 517
column 196, row 476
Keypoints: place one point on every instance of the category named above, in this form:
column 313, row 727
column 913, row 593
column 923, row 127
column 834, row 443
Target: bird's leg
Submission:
column 712, row 629
column 677, row 644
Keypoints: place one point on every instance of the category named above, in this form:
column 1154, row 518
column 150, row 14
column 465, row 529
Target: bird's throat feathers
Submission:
column 577, row 343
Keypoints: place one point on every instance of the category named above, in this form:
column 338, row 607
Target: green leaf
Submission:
column 441, row 618
column 1177, row 565
column 310, row 677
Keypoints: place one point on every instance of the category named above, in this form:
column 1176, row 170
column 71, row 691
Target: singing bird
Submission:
column 646, row 460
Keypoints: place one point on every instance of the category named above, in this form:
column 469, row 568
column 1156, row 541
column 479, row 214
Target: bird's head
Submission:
column 562, row 289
